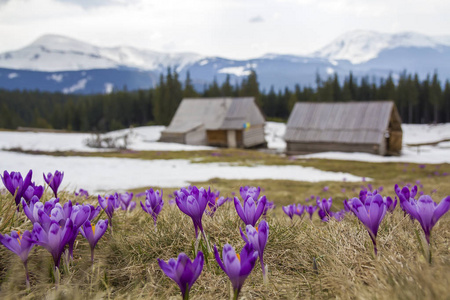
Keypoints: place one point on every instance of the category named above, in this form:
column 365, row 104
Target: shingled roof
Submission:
column 215, row 114
column 343, row 122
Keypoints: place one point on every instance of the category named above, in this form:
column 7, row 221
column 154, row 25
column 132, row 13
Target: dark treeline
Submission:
column 418, row 101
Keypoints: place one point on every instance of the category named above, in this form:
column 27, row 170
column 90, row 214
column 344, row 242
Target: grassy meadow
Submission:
column 311, row 260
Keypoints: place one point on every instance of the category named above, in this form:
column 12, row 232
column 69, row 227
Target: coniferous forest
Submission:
column 418, row 101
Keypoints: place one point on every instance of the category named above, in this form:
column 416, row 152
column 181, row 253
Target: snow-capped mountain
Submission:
column 58, row 53
column 61, row 64
column 361, row 46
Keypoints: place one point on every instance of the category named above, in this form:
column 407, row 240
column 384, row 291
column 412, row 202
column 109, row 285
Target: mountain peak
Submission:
column 359, row 46
column 63, row 43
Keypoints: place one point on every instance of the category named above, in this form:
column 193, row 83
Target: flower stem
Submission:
column 27, row 275
column 92, row 255
column 207, row 242
column 236, row 294
column 57, row 276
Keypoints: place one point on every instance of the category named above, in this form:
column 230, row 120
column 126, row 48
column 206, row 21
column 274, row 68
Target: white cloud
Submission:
column 256, row 19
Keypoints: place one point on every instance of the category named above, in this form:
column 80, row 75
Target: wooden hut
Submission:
column 223, row 122
column 373, row 127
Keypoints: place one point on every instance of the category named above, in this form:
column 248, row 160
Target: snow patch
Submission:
column 109, row 87
column 203, row 62
column 330, row 71
column 13, row 75
column 238, row 71
column 97, row 174
column 80, row 85
column 56, row 77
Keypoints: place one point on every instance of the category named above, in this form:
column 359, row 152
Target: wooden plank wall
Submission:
column 254, row 136
column 217, row 138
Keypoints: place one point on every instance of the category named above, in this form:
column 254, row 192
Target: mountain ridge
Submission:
column 59, row 63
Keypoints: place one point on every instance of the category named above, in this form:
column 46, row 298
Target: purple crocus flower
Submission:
column 237, row 266
column 33, row 190
column 426, row 211
column 370, row 213
column 325, row 205
column 323, row 215
column 258, row 237
column 183, row 271
column 249, row 191
column 193, row 203
column 390, row 204
column 94, row 211
column 289, row 210
column 92, row 233
column 214, row 202
column 54, row 181
column 109, row 204
column 125, row 201
column 32, row 210
column 20, row 245
column 251, row 211
column 310, row 209
column 269, row 206
column 82, row 193
column 54, row 240
column 407, row 194
column 299, row 210
column 153, row 203
column 347, row 205
column 15, row 184
column 325, row 188
column 339, row 215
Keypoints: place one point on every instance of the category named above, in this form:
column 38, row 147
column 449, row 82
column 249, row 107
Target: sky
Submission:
column 238, row 29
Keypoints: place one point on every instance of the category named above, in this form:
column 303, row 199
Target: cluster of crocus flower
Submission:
column 193, row 202
column 214, row 202
column 54, row 227
column 82, row 193
column 16, row 184
column 424, row 210
column 109, row 204
column 294, row 209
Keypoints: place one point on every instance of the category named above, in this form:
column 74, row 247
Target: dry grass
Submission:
column 306, row 259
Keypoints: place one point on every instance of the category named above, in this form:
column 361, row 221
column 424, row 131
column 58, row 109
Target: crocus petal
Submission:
column 239, row 209
column 426, row 207
column 243, row 235
column 440, row 210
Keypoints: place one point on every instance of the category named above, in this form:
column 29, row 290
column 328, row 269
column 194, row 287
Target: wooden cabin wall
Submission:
column 196, row 137
column 254, row 136
column 172, row 138
column 216, row 138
